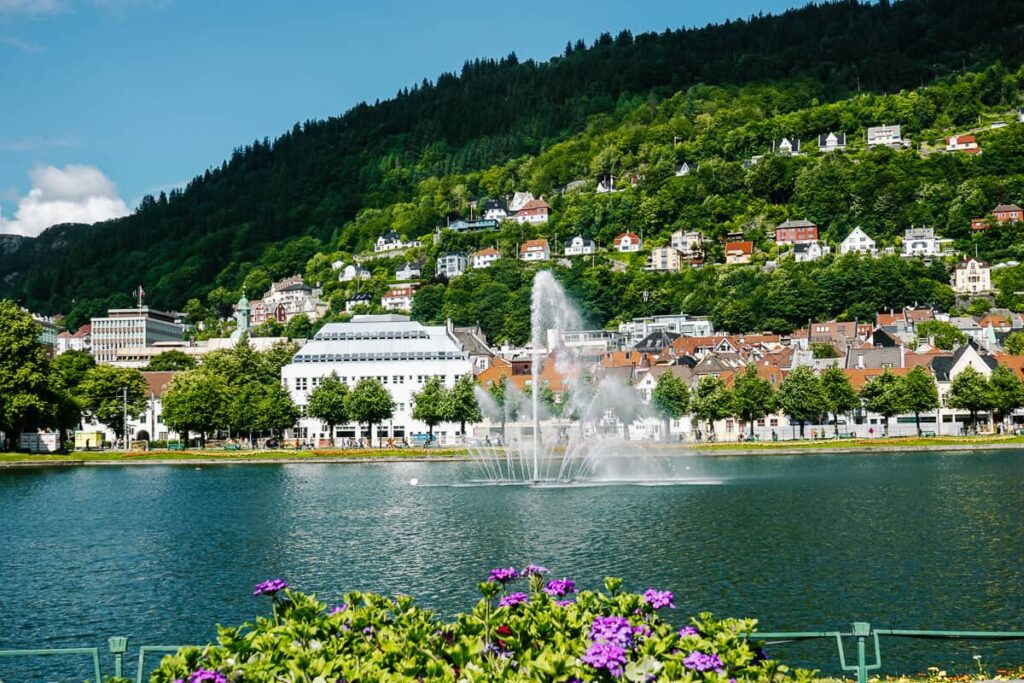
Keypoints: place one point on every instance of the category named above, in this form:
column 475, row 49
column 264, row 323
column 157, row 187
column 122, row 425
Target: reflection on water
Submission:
column 162, row 554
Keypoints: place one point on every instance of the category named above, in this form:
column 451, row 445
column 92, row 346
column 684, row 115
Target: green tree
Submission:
column 884, row 396
column 840, row 395
column 507, row 400
column 824, row 350
column 1007, row 392
column 970, row 391
column 299, row 327
column 277, row 411
column 670, row 398
column 461, row 405
column 711, row 401
column 25, row 390
column 107, row 393
column 369, row 402
column 72, row 367
column 802, row 397
column 196, row 401
column 944, row 334
column 920, row 394
column 171, row 360
column 430, row 404
column 1014, row 343
column 753, row 397
column 328, row 402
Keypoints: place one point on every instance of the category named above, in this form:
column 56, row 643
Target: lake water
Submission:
column 161, row 554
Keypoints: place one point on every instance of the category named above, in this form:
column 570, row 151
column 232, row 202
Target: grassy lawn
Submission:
column 232, row 456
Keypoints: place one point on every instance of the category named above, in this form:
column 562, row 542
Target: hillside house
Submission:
column 886, row 136
column 738, row 253
column 963, row 143
column 535, row 250
column 362, row 299
column 1008, row 213
column 689, row 244
column 809, row 251
column 485, row 257
column 389, row 241
column 920, row 242
column 397, row 299
column 580, row 246
column 971, row 276
column 410, row 271
column 519, row 200
column 605, row 183
column 786, row 146
column 495, row 210
column 832, row 142
column 666, row 259
column 452, row 265
column 796, row 232
column 354, row 271
column 627, row 243
column 857, row 242
column 534, row 212
column 685, row 169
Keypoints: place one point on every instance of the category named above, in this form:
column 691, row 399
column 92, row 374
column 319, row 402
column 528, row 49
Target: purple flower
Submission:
column 612, row 630
column 565, row 603
column 698, row 661
column 269, row 587
column 688, row 631
column 761, row 655
column 534, row 569
column 558, row 588
column 502, row 574
column 658, row 599
column 337, row 609
column 513, row 599
column 642, row 631
column 207, row 676
column 606, row 656
column 368, row 631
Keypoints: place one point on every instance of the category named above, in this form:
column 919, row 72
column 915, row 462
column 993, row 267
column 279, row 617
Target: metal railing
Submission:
column 861, row 632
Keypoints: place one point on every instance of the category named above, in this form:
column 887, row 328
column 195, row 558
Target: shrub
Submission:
column 537, row 631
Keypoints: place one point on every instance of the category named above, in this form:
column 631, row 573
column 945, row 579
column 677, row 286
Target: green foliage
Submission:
column 824, row 350
column 329, row 402
column 103, row 393
column 753, row 397
column 802, row 396
column 375, row 638
column 670, row 398
column 979, row 307
column 840, row 395
column 196, row 401
column 944, row 334
column 430, row 403
column 25, row 380
column 920, row 394
column 711, row 400
column 171, row 360
column 460, row 404
column 1007, row 391
column 371, row 403
column 885, row 396
column 1014, row 343
column 970, row 391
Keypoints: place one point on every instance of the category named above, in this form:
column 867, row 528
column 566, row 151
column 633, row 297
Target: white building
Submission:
column 410, row 271
column 832, row 142
column 535, row 212
column 887, row 136
column 401, row 354
column 580, row 246
column 809, row 251
column 519, row 200
column 963, row 143
column 535, row 250
column 357, row 300
column 857, row 242
column 689, row 243
column 286, row 299
column 485, row 257
column 389, row 241
column 452, row 265
column 131, row 327
column 495, row 210
column 665, row 259
column 921, row 242
column 397, row 299
column 972, row 276
column 685, row 169
column 354, row 271
column 690, row 326
column 81, row 340
column 627, row 243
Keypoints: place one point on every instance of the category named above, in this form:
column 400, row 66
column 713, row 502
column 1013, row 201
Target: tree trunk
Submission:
column 835, row 424
column 751, row 421
column 801, row 429
column 917, row 421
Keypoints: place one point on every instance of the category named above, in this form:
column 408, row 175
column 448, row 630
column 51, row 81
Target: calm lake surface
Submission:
column 162, row 554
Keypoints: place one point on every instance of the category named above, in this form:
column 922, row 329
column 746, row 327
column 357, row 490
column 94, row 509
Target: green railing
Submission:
column 861, row 633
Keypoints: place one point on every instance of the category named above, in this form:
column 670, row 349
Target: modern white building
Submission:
column 690, row 326
column 888, row 136
column 972, row 276
column 452, row 265
column 130, row 327
column 921, row 242
column 690, row 243
column 580, row 246
column 401, row 354
column 665, row 259
column 857, row 242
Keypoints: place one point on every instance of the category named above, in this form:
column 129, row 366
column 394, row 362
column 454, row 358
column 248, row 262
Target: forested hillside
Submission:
column 274, row 205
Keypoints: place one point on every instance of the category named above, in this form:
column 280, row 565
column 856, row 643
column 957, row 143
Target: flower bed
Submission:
column 527, row 628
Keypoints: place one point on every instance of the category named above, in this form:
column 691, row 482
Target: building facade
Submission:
column 857, row 242
column 796, row 232
column 665, row 258
column 396, row 351
column 131, row 327
column 972, row 276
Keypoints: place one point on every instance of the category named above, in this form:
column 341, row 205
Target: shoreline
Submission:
column 17, row 461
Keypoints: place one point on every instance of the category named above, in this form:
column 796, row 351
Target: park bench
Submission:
column 927, row 433
column 175, row 446
column 232, row 447
column 846, row 435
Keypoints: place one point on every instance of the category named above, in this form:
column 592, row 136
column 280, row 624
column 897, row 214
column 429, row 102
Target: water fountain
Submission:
column 524, row 456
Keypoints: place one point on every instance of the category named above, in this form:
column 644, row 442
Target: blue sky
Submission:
column 106, row 100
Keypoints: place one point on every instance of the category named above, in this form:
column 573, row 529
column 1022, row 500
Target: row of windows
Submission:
column 389, row 334
column 307, row 383
column 378, row 356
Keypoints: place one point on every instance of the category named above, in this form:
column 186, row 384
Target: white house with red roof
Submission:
column 627, row 243
column 485, row 257
column 963, row 143
column 397, row 299
column 534, row 212
column 535, row 250
column 738, row 253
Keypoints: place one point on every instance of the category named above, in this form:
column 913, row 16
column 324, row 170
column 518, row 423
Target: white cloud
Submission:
column 21, row 45
column 73, row 194
column 31, row 7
